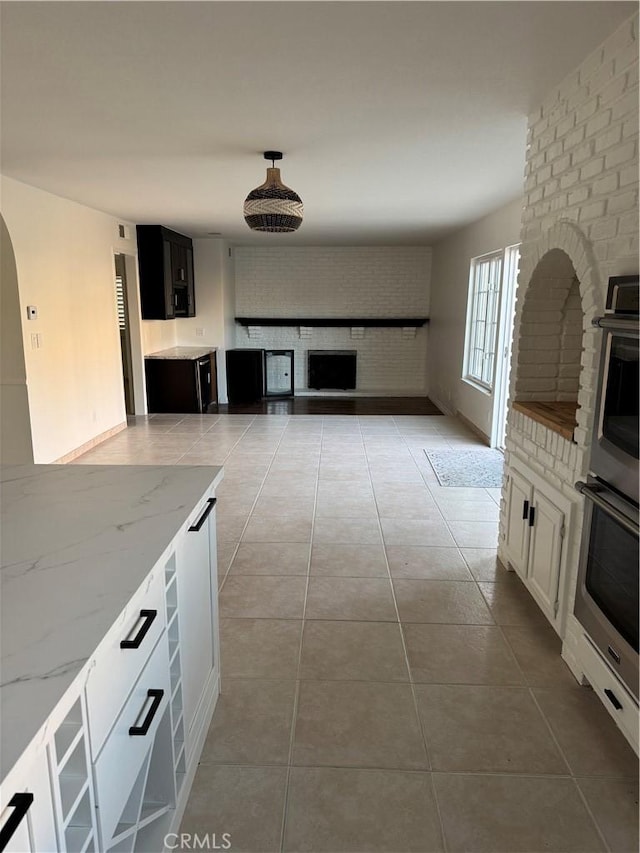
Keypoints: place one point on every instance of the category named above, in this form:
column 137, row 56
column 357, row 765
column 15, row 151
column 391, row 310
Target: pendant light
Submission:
column 272, row 206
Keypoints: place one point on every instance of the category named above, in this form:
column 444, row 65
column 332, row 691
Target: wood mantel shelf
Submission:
column 556, row 416
column 397, row 322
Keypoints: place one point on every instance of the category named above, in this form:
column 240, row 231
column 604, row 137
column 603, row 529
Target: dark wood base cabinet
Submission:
column 256, row 373
column 245, row 375
column 179, row 386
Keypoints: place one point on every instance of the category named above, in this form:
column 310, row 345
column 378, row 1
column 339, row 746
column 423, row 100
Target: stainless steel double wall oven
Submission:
column 607, row 594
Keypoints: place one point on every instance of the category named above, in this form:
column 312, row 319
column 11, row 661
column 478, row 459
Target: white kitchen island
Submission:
column 109, row 665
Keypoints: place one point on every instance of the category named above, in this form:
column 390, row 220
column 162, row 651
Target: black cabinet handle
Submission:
column 532, row 516
column 134, row 642
column 611, row 696
column 525, row 510
column 156, row 695
column 20, row 804
column 195, row 527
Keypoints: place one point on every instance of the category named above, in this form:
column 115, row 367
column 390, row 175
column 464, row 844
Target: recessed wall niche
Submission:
column 550, row 341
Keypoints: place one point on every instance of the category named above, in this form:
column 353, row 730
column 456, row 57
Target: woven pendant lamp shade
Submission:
column 272, row 206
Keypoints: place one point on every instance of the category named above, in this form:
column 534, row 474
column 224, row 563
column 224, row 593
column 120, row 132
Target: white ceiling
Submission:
column 400, row 121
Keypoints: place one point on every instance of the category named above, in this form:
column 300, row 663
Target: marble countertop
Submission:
column 77, row 543
column 182, row 353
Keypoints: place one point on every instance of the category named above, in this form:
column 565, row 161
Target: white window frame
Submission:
column 481, row 337
column 505, row 341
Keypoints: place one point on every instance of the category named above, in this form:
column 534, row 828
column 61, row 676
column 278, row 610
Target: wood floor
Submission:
column 332, row 406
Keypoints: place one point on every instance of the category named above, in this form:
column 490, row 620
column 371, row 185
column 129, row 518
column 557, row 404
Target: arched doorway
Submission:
column 15, row 422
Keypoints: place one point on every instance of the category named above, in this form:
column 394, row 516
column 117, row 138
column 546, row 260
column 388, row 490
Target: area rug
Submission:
column 468, row 468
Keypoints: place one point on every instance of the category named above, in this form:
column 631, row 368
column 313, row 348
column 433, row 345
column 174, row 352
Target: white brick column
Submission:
column 581, row 199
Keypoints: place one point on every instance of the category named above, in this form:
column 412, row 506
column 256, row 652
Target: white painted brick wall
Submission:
column 585, row 138
column 341, row 282
column 581, row 196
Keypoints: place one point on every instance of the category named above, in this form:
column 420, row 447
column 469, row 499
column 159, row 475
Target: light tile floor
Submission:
column 387, row 685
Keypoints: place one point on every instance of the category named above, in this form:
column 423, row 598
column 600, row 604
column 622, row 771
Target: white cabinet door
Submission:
column 534, row 545
column 545, row 553
column 196, row 587
column 36, row 830
column 519, row 496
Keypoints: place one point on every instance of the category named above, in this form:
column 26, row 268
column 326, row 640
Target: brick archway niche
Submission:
column 556, row 347
column 555, row 359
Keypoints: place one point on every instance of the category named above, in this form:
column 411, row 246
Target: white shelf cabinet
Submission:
column 537, row 517
column 36, row 830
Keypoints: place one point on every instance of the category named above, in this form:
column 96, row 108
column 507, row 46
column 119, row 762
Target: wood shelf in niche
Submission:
column 393, row 322
column 559, row 417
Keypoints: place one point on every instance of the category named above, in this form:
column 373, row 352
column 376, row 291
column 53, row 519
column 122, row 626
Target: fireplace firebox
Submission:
column 332, row 369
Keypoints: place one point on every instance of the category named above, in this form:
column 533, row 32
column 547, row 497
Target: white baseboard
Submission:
column 446, row 410
column 89, row 445
column 481, row 435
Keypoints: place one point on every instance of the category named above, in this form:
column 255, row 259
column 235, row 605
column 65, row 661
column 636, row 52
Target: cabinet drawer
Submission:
column 124, row 754
column 611, row 692
column 116, row 669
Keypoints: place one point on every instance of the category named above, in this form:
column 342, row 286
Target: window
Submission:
column 120, row 297
column 482, row 319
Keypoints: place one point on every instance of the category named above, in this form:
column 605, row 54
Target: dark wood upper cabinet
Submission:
column 165, row 260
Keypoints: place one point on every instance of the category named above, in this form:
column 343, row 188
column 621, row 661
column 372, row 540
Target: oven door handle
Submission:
column 618, row 324
column 592, row 491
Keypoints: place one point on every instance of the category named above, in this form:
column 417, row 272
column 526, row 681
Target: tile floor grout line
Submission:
column 571, row 772
column 432, row 784
column 549, row 728
column 255, row 501
column 591, row 814
column 273, row 455
column 418, row 772
column 416, row 707
column 209, row 430
column 296, row 697
column 529, row 689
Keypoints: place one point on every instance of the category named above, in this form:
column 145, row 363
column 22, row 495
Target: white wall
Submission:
column 207, row 273
column 449, row 290
column 228, row 313
column 158, row 334
column 211, row 275
column 65, row 266
column 376, row 281
column 15, row 428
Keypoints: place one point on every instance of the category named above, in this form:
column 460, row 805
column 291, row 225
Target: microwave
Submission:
column 614, row 450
